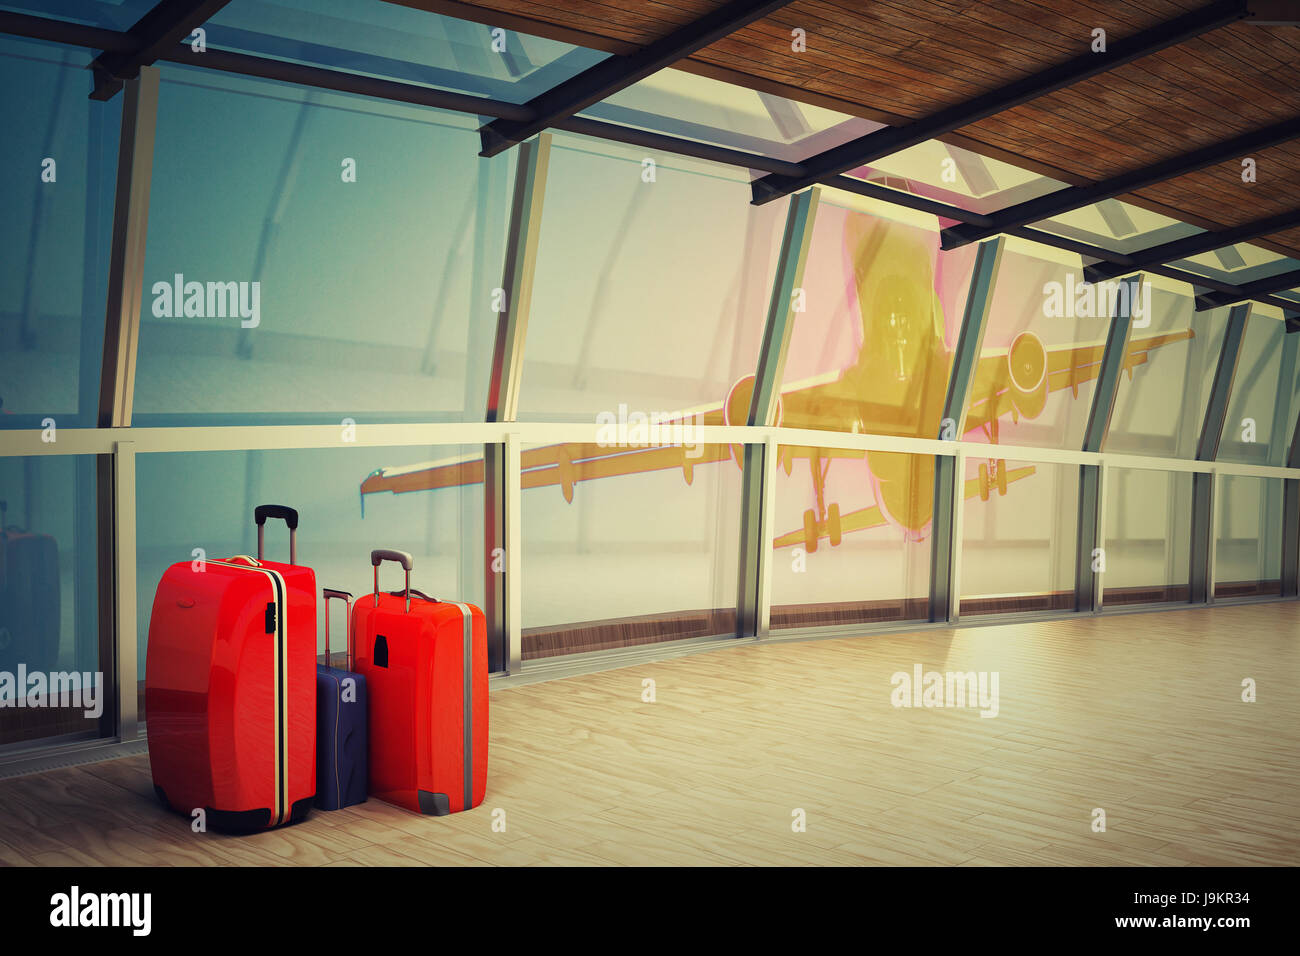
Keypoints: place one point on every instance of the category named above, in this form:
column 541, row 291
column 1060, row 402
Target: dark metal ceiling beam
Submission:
column 1194, row 245
column 153, row 35
column 1274, row 13
column 871, row 147
column 1076, row 197
column 616, row 73
column 1277, row 283
column 63, row 31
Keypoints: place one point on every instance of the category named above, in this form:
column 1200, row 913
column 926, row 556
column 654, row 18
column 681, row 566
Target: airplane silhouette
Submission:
column 896, row 386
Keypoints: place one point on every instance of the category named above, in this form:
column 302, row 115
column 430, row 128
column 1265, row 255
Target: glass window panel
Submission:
column 57, row 170
column 1240, row 264
column 1018, row 546
column 399, row 42
column 1248, row 547
column 111, row 14
column 374, row 297
column 1117, row 225
column 852, row 537
column 707, row 110
column 957, row 176
column 1042, row 348
column 1148, row 536
column 206, row 500
column 650, row 295
column 872, row 350
column 1160, row 402
column 646, row 551
column 49, row 600
column 1255, row 429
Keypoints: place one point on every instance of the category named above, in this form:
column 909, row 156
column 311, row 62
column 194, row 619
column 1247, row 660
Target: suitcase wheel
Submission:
column 434, row 804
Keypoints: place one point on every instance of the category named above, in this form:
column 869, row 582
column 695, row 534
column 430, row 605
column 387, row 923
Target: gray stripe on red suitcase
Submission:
column 467, row 696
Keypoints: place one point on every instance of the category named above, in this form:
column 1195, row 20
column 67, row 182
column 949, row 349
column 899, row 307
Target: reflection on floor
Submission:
column 1137, row 715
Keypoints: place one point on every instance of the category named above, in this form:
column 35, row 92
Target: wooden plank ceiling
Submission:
column 893, row 60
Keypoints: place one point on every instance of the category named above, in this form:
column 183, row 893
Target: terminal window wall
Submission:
column 1160, row 402
column 1147, row 536
column 57, row 170
column 871, row 353
column 651, row 286
column 854, row 548
column 205, row 500
column 314, row 256
column 628, row 547
column 1042, row 344
column 1248, row 545
column 871, row 349
column 1257, row 429
column 1018, row 548
column 651, row 289
column 49, row 602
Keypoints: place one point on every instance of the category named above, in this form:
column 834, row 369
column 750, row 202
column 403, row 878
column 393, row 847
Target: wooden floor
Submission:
column 1139, row 715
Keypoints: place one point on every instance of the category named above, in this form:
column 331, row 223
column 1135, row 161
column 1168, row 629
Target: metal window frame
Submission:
column 1200, row 579
column 950, row 469
column 1266, row 286
column 501, row 462
column 758, row 482
column 1196, row 245
column 1291, row 517
column 1091, row 532
column 162, row 27
column 115, row 478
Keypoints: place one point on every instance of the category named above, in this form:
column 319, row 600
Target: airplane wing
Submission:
column 810, row 404
column 567, row 464
column 995, row 393
column 564, row 465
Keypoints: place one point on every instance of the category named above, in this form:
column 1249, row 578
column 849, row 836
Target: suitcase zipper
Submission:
column 277, row 614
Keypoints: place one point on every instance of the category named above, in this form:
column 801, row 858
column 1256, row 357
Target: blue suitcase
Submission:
column 341, row 748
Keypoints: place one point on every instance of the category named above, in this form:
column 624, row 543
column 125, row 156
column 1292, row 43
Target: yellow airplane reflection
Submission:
column 895, row 386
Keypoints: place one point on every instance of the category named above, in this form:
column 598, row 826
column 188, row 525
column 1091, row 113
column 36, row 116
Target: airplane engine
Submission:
column 735, row 411
column 1027, row 373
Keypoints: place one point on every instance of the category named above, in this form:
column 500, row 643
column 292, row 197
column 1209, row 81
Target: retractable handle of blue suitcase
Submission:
column 288, row 515
column 346, row 596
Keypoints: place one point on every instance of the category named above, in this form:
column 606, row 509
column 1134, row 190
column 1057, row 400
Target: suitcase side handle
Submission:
column 379, row 556
column 288, row 515
column 346, row 597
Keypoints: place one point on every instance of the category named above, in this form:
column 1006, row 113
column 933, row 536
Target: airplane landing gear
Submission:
column 997, row 479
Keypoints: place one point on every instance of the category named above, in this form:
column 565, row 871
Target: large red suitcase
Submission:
column 230, row 687
column 425, row 664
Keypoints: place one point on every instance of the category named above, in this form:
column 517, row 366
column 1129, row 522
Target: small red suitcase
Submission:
column 230, row 687
column 425, row 664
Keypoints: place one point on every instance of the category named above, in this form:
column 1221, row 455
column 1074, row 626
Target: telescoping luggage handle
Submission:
column 290, row 517
column 346, row 597
column 380, row 555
